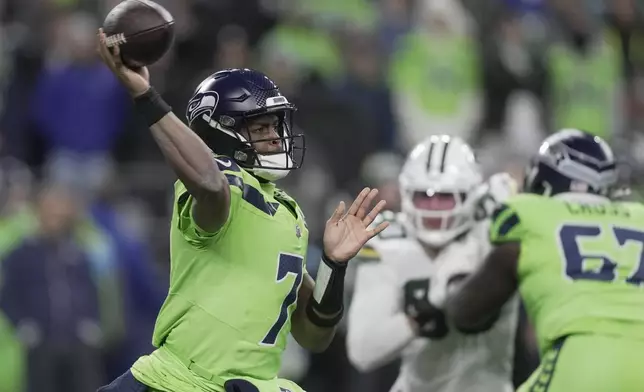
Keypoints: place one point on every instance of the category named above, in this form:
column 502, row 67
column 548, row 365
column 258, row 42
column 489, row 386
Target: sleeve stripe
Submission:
column 508, row 224
column 235, row 181
column 252, row 195
column 498, row 212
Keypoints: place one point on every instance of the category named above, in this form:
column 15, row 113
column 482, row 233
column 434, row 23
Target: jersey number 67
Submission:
column 576, row 266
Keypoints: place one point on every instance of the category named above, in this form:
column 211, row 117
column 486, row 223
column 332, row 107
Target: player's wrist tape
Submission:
column 151, row 106
column 328, row 294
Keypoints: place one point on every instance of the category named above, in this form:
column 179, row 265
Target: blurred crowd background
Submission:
column 85, row 196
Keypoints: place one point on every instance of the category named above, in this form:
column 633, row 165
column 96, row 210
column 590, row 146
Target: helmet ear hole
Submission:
column 241, row 156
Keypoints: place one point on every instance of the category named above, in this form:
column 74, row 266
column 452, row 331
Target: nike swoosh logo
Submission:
column 224, row 163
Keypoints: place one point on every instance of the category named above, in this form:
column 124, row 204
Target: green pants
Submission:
column 590, row 363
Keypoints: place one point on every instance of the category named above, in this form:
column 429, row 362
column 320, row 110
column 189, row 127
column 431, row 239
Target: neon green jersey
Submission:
column 581, row 268
column 232, row 293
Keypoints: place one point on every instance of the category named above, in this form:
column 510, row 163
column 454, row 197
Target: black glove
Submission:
column 430, row 319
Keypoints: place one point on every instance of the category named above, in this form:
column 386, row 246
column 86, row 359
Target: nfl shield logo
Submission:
column 298, row 231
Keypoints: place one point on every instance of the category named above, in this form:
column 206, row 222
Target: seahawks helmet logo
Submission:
column 202, row 103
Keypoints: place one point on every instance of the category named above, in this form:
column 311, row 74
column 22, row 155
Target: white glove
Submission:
column 501, row 187
column 494, row 192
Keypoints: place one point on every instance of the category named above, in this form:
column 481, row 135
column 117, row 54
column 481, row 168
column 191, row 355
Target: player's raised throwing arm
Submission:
column 188, row 155
column 320, row 304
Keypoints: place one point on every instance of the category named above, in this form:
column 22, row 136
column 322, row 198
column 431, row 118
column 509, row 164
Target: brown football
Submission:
column 143, row 30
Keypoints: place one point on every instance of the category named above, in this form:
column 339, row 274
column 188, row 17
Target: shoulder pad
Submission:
column 371, row 252
column 395, row 230
column 368, row 253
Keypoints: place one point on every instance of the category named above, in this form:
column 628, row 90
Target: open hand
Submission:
column 136, row 81
column 346, row 234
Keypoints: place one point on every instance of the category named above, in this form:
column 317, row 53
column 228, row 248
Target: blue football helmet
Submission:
column 225, row 102
column 572, row 160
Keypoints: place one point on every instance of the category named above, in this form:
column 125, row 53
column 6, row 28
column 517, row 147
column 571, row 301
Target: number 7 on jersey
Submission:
column 287, row 265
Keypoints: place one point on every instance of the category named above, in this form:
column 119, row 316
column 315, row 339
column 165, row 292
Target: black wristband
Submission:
column 151, row 106
column 328, row 294
column 324, row 322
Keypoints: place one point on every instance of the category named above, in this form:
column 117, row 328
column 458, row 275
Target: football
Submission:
column 143, row 30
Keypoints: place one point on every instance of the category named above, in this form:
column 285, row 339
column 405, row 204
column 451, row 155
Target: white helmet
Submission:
column 438, row 185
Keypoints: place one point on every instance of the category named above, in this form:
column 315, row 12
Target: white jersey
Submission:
column 379, row 331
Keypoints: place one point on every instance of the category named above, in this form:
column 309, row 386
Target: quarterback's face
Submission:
column 436, row 202
column 259, row 129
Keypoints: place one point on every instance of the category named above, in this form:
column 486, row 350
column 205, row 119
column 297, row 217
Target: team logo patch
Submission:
column 202, row 103
column 298, row 231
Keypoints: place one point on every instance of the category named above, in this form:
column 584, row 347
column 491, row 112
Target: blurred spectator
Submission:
column 625, row 17
column 232, row 48
column 396, row 17
column 60, row 292
column 587, row 75
column 16, row 219
column 16, row 222
column 521, row 132
column 434, row 77
column 364, row 85
column 511, row 54
column 311, row 49
column 334, row 14
column 333, row 124
column 231, row 51
column 199, row 39
column 143, row 287
column 285, row 70
column 13, row 376
column 79, row 108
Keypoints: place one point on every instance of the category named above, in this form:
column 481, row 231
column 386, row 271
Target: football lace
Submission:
column 116, row 39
